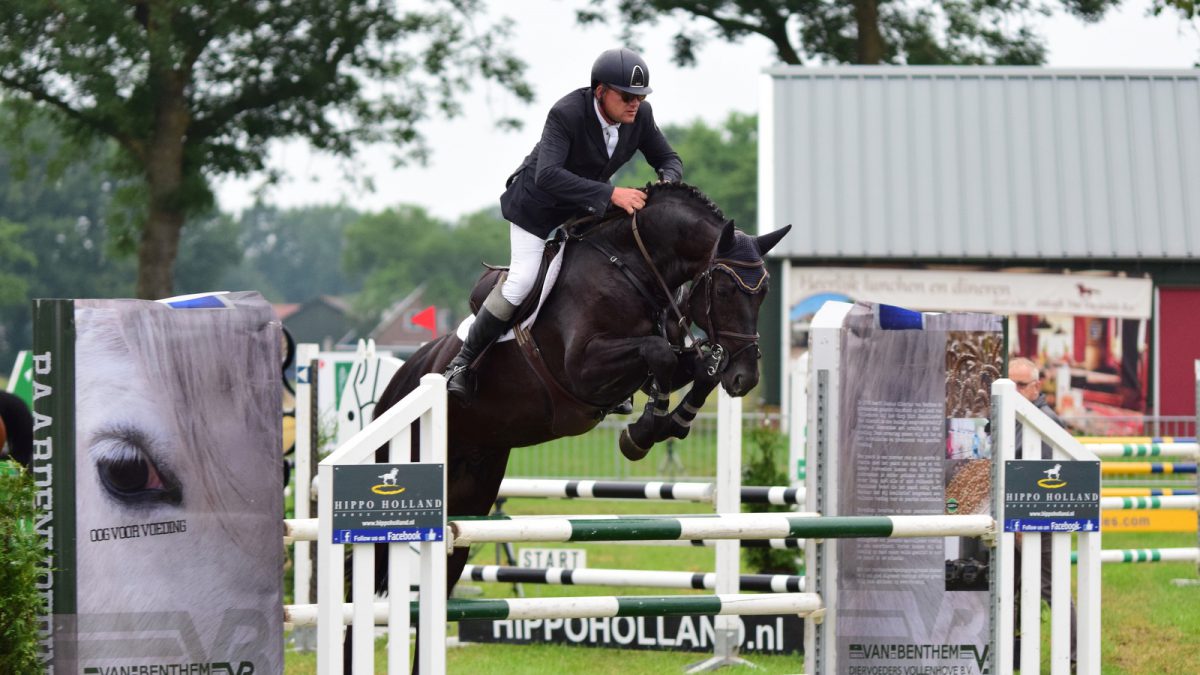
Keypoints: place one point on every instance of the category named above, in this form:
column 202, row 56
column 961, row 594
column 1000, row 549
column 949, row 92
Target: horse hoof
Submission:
column 630, row 449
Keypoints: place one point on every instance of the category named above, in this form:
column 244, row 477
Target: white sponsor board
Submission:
column 990, row 292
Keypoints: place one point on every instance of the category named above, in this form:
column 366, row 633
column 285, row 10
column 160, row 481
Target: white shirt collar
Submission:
column 604, row 125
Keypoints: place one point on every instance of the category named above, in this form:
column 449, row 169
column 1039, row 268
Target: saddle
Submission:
column 495, row 274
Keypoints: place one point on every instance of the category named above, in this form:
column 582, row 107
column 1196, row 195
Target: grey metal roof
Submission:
column 981, row 162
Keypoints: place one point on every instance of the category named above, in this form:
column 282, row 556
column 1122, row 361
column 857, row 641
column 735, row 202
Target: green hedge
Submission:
column 20, row 551
column 764, row 456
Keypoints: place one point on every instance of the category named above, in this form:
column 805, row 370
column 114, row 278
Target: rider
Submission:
column 589, row 134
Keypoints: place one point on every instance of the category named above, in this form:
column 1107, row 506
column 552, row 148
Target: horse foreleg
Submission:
column 637, row 438
column 680, row 422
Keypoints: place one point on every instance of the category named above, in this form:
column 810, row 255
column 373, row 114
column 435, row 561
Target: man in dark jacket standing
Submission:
column 589, row 134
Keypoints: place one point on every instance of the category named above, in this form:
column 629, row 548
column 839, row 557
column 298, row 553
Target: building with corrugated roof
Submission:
column 1066, row 199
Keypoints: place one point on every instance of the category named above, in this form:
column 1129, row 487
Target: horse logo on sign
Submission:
column 1053, row 480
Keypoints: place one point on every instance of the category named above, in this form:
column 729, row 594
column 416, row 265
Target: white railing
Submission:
column 425, row 406
column 1010, row 408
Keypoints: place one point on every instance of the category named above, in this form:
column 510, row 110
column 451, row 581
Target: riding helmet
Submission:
column 622, row 69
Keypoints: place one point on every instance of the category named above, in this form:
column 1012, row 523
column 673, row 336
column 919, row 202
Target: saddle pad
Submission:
column 551, row 276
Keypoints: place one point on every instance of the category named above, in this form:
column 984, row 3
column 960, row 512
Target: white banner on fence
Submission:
column 990, row 292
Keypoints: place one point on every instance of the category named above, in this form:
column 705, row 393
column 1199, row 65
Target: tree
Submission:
column 965, row 32
column 56, row 235
column 400, row 249
column 192, row 89
column 721, row 161
column 293, row 255
column 13, row 256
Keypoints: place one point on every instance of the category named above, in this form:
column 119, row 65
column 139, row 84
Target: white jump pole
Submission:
column 304, row 638
column 728, row 501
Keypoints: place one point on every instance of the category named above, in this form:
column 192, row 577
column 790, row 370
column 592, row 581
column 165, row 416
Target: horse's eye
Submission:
column 128, row 473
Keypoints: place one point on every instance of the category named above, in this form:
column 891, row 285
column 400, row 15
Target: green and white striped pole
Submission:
column 1169, row 503
column 736, row 526
column 1146, row 555
column 1173, row 449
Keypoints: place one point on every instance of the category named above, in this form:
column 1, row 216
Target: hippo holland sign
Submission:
column 1049, row 496
column 388, row 503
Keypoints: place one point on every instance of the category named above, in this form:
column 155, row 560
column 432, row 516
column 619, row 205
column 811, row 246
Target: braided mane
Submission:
column 686, row 190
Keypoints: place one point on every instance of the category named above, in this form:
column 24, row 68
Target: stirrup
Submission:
column 453, row 371
column 460, row 384
column 623, row 408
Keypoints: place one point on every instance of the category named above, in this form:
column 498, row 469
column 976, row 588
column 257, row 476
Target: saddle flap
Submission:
column 491, row 276
column 496, row 275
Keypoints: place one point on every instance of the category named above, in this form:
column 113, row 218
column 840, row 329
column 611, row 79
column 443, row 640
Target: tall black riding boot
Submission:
column 493, row 319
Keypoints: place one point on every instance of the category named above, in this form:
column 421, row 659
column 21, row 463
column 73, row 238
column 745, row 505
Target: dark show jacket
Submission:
column 567, row 172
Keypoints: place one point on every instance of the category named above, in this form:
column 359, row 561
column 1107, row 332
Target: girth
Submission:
column 569, row 415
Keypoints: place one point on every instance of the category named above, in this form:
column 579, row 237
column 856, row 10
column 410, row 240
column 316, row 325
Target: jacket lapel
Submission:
column 593, row 124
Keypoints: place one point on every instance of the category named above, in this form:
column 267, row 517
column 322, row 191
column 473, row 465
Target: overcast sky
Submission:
column 470, row 159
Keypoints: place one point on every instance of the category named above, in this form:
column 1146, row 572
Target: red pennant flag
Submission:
column 427, row 318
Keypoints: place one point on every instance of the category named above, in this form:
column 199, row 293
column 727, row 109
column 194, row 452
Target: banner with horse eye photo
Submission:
column 158, row 463
column 915, row 440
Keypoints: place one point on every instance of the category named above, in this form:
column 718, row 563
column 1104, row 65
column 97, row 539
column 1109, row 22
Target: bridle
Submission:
column 716, row 359
column 709, row 349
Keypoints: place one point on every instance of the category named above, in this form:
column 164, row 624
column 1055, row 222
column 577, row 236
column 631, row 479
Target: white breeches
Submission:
column 525, row 257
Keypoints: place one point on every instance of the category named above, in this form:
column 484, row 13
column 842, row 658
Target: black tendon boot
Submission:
column 493, row 319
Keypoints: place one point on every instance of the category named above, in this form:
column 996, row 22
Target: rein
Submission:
column 650, row 262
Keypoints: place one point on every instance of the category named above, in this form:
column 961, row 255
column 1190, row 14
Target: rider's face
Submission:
column 618, row 106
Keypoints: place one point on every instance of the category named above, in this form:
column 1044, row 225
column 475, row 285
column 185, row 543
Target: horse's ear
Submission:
column 767, row 241
column 726, row 241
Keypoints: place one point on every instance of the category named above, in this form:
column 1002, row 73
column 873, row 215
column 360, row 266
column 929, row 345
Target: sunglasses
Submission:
column 628, row 97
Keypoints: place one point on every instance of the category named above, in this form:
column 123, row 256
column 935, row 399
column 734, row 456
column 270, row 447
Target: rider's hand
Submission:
column 630, row 199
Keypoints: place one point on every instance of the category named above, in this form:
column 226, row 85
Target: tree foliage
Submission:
column 193, row 89
column 13, row 256
column 21, row 550
column 963, row 32
column 722, row 161
column 766, row 456
column 404, row 248
column 293, row 255
column 56, row 234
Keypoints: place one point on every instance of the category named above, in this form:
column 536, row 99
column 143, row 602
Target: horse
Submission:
column 614, row 322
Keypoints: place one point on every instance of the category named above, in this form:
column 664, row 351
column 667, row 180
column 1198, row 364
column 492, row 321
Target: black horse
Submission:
column 631, row 287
